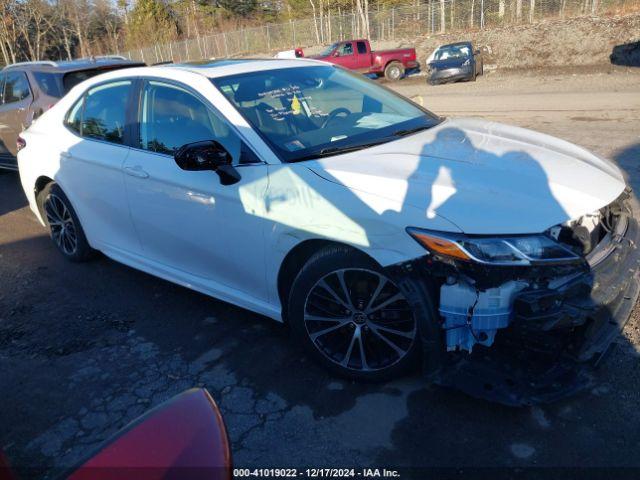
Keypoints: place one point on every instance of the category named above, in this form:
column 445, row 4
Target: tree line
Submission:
column 66, row 29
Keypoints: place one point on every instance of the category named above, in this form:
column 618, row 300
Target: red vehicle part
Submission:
column 183, row 438
column 357, row 55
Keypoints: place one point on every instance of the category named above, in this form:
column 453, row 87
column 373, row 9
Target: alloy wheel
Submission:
column 358, row 319
column 63, row 229
column 394, row 73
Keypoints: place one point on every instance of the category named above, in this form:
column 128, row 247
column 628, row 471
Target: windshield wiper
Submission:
column 409, row 131
column 330, row 151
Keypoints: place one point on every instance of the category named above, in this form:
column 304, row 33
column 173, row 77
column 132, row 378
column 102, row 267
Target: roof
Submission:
column 71, row 65
column 225, row 67
column 456, row 44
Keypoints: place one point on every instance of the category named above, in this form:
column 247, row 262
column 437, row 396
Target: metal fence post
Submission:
column 268, row 38
column 293, row 31
column 393, row 23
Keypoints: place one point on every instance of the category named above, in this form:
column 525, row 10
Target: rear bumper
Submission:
column 413, row 65
column 8, row 161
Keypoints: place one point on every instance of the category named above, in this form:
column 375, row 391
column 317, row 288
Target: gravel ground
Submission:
column 85, row 348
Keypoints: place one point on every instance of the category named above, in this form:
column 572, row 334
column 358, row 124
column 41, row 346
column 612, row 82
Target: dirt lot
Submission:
column 85, row 348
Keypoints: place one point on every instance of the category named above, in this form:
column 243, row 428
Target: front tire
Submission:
column 64, row 226
column 351, row 317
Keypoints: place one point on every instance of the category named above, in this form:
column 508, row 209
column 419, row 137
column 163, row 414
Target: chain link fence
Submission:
column 406, row 22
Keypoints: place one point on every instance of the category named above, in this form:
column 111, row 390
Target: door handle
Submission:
column 66, row 155
column 136, row 171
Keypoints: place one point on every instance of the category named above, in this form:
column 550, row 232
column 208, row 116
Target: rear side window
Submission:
column 101, row 114
column 362, row 47
column 74, row 117
column 49, row 83
column 16, row 87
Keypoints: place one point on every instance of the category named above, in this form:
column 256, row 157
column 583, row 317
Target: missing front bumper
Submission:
column 557, row 334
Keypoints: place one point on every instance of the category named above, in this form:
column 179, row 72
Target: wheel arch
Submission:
column 40, row 184
column 295, row 259
column 393, row 60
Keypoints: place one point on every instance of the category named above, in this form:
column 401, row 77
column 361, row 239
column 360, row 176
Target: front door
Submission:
column 207, row 233
column 345, row 56
column 17, row 98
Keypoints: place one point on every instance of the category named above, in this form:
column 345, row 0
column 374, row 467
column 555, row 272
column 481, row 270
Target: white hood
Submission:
column 485, row 177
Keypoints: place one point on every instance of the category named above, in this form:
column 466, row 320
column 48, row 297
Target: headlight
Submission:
column 508, row 250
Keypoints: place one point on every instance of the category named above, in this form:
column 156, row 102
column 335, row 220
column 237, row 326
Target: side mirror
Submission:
column 336, row 53
column 207, row 155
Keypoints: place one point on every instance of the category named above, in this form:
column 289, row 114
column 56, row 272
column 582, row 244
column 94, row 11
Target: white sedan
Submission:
column 378, row 231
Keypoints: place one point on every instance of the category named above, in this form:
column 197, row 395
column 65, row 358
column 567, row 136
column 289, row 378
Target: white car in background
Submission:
column 377, row 230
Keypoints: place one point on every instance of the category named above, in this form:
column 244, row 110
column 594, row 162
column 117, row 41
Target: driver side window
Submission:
column 345, row 49
column 171, row 117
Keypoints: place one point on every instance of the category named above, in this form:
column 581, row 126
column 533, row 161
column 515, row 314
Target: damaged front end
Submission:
column 521, row 319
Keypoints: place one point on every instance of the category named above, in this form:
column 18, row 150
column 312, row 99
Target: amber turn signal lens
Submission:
column 440, row 246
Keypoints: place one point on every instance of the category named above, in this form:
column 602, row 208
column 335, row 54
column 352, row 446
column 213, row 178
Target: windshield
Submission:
column 327, row 51
column 453, row 52
column 319, row 110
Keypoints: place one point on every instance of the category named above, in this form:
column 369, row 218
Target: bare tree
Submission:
column 315, row 23
column 34, row 26
column 518, row 10
column 8, row 31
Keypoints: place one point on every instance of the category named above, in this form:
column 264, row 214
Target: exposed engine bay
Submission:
column 522, row 334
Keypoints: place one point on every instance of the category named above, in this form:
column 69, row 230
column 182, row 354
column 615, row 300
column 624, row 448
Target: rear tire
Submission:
column 351, row 317
column 394, row 71
column 64, row 226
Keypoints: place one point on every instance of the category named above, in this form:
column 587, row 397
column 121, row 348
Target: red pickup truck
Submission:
column 357, row 55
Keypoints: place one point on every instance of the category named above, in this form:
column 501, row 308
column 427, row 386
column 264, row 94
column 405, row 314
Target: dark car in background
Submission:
column 454, row 62
column 29, row 89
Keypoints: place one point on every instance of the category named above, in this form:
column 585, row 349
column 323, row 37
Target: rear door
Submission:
column 93, row 149
column 17, row 98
